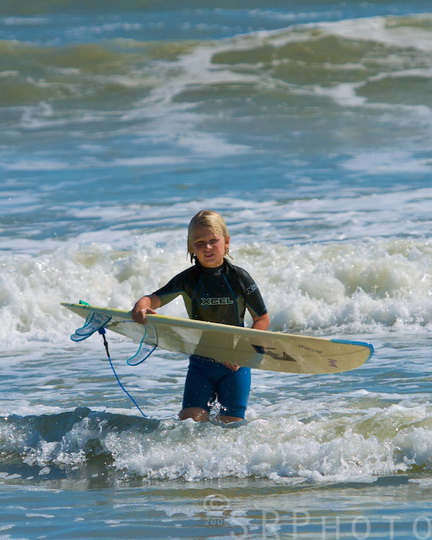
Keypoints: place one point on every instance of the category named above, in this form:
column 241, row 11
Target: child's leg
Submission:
column 199, row 392
column 233, row 393
column 196, row 413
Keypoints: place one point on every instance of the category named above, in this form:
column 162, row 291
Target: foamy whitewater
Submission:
column 308, row 127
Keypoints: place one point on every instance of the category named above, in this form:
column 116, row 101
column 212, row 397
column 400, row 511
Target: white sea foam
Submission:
column 390, row 31
column 289, row 448
column 31, row 21
column 384, row 162
column 348, row 287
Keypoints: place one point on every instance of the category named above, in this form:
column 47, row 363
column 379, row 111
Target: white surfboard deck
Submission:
column 259, row 349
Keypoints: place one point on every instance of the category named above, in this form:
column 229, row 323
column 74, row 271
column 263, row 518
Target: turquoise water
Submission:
column 308, row 127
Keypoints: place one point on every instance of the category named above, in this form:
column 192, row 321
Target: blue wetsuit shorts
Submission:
column 207, row 382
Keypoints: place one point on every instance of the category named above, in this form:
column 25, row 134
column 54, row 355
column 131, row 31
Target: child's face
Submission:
column 208, row 246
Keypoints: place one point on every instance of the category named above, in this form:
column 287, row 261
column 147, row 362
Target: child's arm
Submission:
column 262, row 322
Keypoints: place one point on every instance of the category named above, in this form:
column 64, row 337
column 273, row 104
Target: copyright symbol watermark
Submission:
column 216, row 502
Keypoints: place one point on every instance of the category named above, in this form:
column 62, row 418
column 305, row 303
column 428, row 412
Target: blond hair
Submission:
column 210, row 219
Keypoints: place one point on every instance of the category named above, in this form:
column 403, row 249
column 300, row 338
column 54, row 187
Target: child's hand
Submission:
column 231, row 366
column 139, row 313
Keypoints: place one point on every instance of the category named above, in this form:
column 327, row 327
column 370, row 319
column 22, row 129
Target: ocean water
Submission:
column 308, row 126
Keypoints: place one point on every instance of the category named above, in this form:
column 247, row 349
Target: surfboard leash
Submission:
column 102, row 332
column 96, row 322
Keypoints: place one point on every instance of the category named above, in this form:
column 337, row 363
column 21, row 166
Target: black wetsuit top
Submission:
column 219, row 295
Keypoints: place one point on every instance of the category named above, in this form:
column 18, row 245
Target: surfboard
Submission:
column 258, row 349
